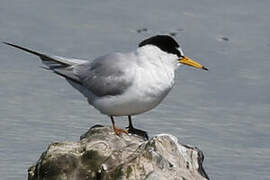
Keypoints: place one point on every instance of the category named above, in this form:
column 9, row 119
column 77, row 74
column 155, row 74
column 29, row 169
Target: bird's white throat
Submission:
column 153, row 55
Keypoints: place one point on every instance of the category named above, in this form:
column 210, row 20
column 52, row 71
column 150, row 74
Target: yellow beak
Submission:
column 187, row 61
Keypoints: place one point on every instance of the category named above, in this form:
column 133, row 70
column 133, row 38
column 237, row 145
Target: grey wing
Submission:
column 107, row 75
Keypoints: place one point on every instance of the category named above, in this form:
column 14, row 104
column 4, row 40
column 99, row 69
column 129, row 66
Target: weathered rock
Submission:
column 102, row 155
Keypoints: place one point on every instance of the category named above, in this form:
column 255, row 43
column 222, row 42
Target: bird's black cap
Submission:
column 164, row 42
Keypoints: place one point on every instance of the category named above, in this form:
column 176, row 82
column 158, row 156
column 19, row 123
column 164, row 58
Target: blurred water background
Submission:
column 225, row 112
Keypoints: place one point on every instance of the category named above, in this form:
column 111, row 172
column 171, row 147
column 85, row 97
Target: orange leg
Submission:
column 117, row 130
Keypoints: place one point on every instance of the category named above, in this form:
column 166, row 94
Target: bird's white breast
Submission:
column 152, row 82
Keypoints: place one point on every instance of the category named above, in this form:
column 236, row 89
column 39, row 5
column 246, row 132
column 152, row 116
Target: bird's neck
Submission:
column 153, row 56
column 157, row 71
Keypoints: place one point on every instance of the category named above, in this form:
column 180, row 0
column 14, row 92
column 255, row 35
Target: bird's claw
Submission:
column 118, row 131
column 138, row 132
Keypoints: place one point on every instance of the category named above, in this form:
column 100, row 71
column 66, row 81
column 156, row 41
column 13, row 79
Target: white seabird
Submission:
column 123, row 84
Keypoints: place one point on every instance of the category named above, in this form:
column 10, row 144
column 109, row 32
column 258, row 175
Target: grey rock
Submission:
column 102, row 155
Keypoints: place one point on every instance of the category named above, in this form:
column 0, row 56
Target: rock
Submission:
column 102, row 155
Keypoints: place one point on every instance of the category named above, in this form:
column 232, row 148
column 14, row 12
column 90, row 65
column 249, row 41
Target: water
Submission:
column 224, row 112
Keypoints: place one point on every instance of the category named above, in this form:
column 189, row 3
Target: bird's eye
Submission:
column 181, row 54
column 181, row 57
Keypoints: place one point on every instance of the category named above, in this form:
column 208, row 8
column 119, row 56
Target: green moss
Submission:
column 92, row 159
column 117, row 173
column 52, row 168
column 129, row 170
column 49, row 169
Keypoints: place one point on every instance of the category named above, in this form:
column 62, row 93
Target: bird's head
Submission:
column 169, row 45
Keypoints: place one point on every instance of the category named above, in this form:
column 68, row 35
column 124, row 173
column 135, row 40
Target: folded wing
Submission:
column 105, row 76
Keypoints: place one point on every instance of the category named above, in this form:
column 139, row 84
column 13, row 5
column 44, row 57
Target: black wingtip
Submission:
column 6, row 43
column 24, row 49
column 9, row 44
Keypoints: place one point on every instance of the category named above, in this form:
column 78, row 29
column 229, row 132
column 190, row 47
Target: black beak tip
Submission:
column 204, row 68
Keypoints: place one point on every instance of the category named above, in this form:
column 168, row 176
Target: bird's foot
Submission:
column 138, row 132
column 118, row 131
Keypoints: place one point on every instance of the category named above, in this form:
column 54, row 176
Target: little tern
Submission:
column 123, row 84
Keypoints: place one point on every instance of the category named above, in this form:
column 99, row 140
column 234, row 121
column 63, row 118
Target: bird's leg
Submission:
column 117, row 130
column 133, row 130
column 130, row 126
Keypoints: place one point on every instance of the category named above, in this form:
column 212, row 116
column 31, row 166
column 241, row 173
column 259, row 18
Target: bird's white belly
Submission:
column 146, row 93
column 124, row 105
